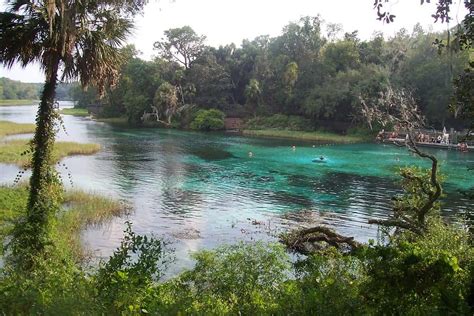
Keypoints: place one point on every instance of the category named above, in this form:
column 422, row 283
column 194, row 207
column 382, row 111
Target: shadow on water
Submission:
column 211, row 153
column 289, row 198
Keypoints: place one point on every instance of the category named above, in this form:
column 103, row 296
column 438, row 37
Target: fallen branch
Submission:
column 308, row 240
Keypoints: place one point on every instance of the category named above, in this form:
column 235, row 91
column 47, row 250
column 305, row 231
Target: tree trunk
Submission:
column 43, row 201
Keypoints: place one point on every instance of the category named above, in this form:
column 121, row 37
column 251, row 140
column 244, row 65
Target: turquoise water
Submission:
column 199, row 190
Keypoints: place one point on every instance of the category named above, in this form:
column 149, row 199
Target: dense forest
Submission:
column 313, row 70
column 17, row 90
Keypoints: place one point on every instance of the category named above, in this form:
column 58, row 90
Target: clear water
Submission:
column 199, row 190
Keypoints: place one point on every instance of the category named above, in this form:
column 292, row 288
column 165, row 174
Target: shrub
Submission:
column 420, row 275
column 280, row 121
column 239, row 279
column 207, row 120
column 327, row 283
column 124, row 281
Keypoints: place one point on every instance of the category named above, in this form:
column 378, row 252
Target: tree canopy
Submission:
column 300, row 72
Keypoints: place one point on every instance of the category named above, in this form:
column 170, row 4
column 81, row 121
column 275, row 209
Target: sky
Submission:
column 230, row 21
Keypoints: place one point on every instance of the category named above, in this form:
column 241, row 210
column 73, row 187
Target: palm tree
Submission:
column 74, row 40
column 252, row 94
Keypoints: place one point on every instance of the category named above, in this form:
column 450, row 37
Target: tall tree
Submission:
column 81, row 38
column 252, row 94
column 181, row 44
column 462, row 104
column 165, row 102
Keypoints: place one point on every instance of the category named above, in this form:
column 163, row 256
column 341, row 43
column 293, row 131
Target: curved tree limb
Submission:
column 298, row 239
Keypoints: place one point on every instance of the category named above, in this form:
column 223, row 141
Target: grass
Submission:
column 18, row 102
column 11, row 152
column 122, row 121
column 10, row 128
column 75, row 111
column 310, row 136
column 80, row 210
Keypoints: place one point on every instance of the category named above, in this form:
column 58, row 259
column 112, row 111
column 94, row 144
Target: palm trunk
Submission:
column 44, row 196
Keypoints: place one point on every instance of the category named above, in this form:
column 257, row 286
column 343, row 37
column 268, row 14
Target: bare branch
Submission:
column 299, row 239
column 399, row 109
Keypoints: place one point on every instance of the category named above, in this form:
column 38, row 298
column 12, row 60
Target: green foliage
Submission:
column 208, row 83
column 300, row 72
column 83, row 97
column 182, row 45
column 318, row 136
column 83, row 42
column 280, row 121
column 208, row 120
column 253, row 92
column 463, row 102
column 165, row 102
column 56, row 287
column 124, row 281
column 12, row 204
column 239, row 279
column 12, row 89
column 327, row 283
column 76, row 111
column 427, row 275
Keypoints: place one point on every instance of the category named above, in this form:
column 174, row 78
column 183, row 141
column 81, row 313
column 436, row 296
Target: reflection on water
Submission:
column 201, row 190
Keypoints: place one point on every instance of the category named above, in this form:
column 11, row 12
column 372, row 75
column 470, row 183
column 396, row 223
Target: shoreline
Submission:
column 13, row 151
column 305, row 136
column 318, row 136
column 17, row 102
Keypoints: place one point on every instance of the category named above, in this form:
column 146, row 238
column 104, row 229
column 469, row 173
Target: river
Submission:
column 199, row 190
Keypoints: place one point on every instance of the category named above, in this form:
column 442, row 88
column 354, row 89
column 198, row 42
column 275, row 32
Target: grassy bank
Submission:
column 11, row 151
column 122, row 121
column 75, row 111
column 309, row 136
column 80, row 210
column 10, row 128
column 18, row 102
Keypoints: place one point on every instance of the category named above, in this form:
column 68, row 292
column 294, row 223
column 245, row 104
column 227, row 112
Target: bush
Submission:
column 59, row 286
column 245, row 279
column 208, row 120
column 124, row 281
column 327, row 283
column 280, row 121
column 423, row 275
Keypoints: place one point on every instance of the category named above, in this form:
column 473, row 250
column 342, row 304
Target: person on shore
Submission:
column 463, row 147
